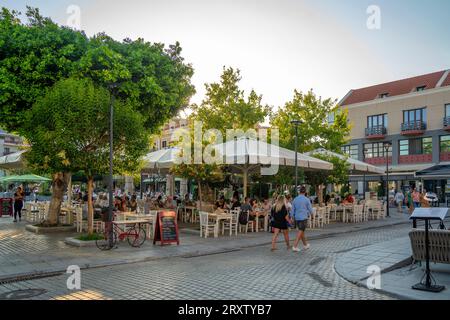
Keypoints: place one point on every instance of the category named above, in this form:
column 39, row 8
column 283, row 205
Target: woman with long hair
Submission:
column 280, row 221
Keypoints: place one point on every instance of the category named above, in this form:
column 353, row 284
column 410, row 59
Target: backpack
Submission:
column 243, row 217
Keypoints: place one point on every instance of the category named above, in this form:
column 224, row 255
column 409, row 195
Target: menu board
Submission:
column 166, row 229
column 6, row 205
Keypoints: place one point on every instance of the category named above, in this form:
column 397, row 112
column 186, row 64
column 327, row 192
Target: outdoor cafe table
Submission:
column 219, row 217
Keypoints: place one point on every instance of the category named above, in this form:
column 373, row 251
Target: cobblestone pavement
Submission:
column 250, row 273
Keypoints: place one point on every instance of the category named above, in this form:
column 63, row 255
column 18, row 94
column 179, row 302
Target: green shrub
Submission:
column 92, row 237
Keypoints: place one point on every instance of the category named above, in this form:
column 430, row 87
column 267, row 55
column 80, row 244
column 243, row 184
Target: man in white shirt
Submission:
column 399, row 197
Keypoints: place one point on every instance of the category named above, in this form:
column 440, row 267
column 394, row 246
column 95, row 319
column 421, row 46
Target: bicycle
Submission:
column 135, row 235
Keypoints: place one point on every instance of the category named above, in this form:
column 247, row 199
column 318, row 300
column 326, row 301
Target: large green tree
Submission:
column 36, row 54
column 68, row 130
column 224, row 107
column 153, row 80
column 315, row 132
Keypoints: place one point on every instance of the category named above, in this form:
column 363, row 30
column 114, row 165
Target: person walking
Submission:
column 416, row 198
column 399, row 198
column 280, row 222
column 410, row 202
column 18, row 204
column 301, row 210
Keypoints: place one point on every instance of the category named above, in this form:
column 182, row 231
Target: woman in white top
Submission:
column 398, row 198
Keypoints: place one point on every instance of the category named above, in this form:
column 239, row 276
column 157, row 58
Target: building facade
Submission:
column 164, row 140
column 413, row 115
column 9, row 143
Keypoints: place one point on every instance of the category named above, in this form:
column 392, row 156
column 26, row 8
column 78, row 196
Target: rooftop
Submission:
column 399, row 87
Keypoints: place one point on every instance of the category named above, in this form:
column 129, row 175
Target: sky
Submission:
column 279, row 45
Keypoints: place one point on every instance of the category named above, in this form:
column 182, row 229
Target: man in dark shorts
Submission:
column 301, row 210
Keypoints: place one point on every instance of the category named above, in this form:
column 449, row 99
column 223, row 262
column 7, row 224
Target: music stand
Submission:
column 428, row 214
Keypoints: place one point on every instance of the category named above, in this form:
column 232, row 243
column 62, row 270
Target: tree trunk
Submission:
column 90, row 205
column 59, row 186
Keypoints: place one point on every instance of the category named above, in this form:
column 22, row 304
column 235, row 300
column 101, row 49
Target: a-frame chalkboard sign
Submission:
column 166, row 229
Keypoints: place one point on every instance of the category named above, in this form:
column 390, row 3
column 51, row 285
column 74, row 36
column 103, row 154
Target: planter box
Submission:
column 79, row 243
column 43, row 230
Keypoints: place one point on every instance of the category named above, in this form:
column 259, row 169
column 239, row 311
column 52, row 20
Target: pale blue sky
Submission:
column 280, row 45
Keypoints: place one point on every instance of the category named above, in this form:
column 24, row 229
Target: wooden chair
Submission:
column 231, row 225
column 357, row 215
column 205, row 225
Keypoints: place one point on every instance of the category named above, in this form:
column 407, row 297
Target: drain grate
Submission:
column 22, row 294
column 30, row 277
column 317, row 277
column 316, row 261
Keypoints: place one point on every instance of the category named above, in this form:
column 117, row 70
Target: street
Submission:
column 250, row 273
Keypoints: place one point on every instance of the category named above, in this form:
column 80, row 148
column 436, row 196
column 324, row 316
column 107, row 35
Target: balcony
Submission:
column 413, row 128
column 12, row 141
column 447, row 123
column 377, row 132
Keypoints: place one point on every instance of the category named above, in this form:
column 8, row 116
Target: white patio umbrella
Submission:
column 356, row 166
column 161, row 159
column 245, row 154
column 13, row 161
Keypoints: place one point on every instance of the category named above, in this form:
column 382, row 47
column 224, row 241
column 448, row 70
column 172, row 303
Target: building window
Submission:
column 164, row 144
column 384, row 95
column 6, row 151
column 445, row 144
column 415, row 115
column 376, row 150
column 447, row 110
column 378, row 120
column 351, row 151
column 331, row 117
column 421, row 88
column 416, row 146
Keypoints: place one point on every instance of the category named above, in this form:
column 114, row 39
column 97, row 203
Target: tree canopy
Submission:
column 226, row 107
column 315, row 132
column 35, row 55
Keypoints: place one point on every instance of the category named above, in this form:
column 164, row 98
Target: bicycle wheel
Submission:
column 104, row 243
column 136, row 236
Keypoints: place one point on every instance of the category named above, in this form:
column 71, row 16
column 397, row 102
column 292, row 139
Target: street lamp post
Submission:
column 296, row 123
column 387, row 146
column 110, row 184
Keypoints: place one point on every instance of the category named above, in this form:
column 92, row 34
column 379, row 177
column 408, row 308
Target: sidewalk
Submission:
column 397, row 274
column 24, row 254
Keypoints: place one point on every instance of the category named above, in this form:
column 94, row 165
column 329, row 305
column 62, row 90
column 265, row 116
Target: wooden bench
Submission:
column 439, row 241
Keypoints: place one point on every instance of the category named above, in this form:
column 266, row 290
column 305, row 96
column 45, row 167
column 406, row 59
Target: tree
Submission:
column 149, row 78
column 226, row 107
column 34, row 56
column 315, row 132
column 68, row 129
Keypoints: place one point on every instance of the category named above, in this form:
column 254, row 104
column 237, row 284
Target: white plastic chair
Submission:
column 231, row 225
column 205, row 226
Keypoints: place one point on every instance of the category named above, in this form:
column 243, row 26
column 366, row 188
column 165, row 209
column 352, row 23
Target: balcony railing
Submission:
column 414, row 127
column 376, row 131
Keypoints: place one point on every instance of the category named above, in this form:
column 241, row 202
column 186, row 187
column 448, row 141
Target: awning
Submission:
column 438, row 171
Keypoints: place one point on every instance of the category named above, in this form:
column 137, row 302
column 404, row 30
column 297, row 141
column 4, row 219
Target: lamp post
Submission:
column 112, row 88
column 387, row 146
column 296, row 123
column 364, row 175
